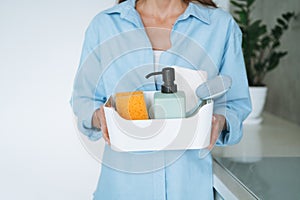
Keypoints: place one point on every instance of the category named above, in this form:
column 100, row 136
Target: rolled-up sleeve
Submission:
column 236, row 104
column 88, row 89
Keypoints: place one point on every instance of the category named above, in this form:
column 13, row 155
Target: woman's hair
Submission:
column 203, row 2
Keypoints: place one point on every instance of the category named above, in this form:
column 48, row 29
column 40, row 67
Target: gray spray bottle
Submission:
column 169, row 103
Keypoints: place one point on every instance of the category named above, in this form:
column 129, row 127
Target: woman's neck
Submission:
column 161, row 9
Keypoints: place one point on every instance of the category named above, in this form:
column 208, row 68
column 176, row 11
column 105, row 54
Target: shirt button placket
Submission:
column 159, row 179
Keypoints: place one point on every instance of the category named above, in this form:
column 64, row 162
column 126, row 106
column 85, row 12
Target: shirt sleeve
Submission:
column 88, row 89
column 236, row 104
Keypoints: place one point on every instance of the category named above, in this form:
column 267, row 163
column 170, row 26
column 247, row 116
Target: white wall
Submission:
column 41, row 156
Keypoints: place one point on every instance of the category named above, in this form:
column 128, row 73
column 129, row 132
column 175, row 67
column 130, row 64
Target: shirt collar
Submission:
column 197, row 10
column 127, row 11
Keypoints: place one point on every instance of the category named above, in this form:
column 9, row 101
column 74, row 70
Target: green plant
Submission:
column 260, row 46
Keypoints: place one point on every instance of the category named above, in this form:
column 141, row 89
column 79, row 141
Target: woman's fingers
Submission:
column 96, row 120
column 103, row 125
column 218, row 123
column 214, row 133
column 213, row 138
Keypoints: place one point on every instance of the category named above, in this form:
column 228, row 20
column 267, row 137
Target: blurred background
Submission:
column 283, row 82
column 40, row 44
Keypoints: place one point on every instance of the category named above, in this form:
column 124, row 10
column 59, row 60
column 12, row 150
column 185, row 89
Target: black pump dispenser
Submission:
column 168, row 74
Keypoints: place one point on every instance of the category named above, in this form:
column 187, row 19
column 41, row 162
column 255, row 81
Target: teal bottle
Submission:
column 168, row 103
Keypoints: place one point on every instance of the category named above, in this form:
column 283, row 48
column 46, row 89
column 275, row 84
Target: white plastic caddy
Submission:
column 159, row 134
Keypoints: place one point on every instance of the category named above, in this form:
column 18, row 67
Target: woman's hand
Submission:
column 218, row 124
column 99, row 121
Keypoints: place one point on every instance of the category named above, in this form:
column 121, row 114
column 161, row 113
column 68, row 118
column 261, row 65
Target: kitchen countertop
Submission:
column 264, row 165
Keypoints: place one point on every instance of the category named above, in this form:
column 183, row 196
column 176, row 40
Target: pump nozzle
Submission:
column 153, row 74
column 168, row 74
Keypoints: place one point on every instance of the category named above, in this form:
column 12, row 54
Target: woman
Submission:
column 178, row 32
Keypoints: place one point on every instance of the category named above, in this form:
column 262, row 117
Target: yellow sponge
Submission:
column 131, row 105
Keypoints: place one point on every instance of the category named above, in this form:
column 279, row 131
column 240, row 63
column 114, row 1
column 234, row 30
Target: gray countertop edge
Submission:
column 228, row 186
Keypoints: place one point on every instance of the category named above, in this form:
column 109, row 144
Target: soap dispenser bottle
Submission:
column 169, row 103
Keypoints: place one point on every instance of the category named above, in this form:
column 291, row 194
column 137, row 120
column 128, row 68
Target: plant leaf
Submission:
column 288, row 15
column 257, row 29
column 242, row 17
column 275, row 59
column 266, row 40
column 250, row 2
column 276, row 44
column 277, row 32
column 259, row 67
column 281, row 22
column 239, row 5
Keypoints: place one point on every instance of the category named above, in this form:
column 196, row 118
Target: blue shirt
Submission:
column 116, row 56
